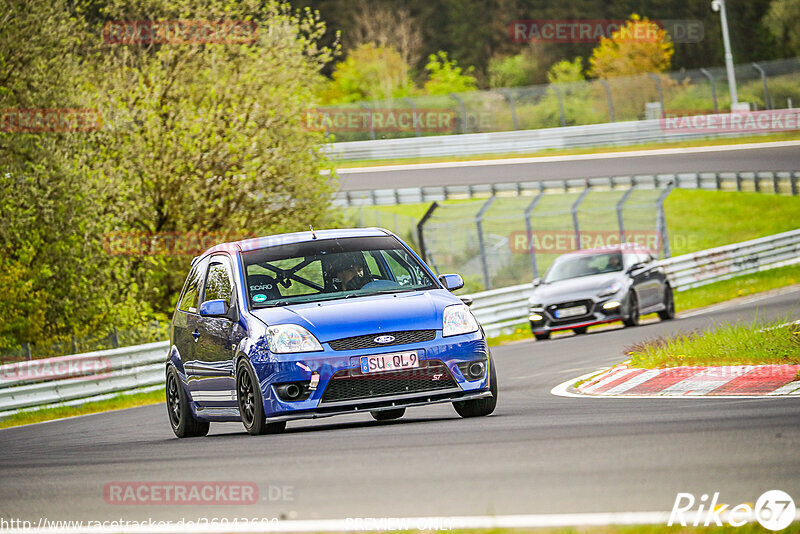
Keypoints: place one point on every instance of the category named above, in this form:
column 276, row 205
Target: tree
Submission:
column 445, row 76
column 55, row 278
column 529, row 67
column 369, row 72
column 211, row 138
column 566, row 71
column 195, row 138
column 639, row 46
column 781, row 21
column 386, row 25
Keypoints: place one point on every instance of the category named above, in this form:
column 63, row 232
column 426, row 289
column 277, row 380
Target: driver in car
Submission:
column 614, row 263
column 348, row 271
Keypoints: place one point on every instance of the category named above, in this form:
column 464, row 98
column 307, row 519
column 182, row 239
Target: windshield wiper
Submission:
column 275, row 304
column 382, row 292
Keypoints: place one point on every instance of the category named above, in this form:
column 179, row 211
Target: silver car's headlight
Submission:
column 457, row 319
column 288, row 338
column 610, row 290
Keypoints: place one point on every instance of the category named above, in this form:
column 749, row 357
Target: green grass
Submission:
column 115, row 403
column 697, row 220
column 727, row 344
column 739, row 286
column 782, row 136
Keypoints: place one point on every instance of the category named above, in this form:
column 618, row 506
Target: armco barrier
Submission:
column 58, row 380
column 39, row 382
column 507, row 306
column 778, row 182
column 524, row 141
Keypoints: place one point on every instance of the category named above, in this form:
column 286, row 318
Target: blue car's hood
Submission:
column 335, row 319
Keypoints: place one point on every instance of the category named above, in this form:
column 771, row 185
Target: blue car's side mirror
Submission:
column 451, row 281
column 214, row 308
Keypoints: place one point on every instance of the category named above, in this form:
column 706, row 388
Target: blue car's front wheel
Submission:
column 251, row 404
column 480, row 407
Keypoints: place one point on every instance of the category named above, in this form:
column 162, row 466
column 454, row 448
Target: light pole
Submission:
column 719, row 6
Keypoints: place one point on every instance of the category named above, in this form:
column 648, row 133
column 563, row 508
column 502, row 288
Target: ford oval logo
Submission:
column 383, row 339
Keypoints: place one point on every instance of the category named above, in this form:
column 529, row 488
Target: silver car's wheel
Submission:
column 633, row 311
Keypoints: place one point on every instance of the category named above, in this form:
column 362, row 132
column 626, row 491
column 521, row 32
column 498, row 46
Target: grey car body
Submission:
column 599, row 291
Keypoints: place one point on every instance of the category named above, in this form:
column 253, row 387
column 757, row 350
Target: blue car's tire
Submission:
column 480, row 407
column 183, row 423
column 251, row 404
column 388, row 415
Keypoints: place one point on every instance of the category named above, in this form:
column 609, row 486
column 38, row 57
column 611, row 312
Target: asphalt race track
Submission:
column 538, row 453
column 785, row 156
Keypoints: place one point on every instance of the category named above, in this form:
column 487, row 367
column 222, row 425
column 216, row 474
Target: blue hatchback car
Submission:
column 314, row 324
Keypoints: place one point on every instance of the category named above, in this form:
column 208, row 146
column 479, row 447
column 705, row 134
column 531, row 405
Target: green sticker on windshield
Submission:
column 259, row 297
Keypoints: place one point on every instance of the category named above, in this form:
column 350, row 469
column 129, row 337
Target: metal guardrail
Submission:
column 779, row 182
column 55, row 381
column 508, row 306
column 524, row 141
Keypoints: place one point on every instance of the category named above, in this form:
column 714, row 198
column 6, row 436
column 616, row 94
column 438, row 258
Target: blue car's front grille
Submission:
column 368, row 341
column 344, row 387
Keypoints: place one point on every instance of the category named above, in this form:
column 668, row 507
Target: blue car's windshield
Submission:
column 577, row 265
column 331, row 269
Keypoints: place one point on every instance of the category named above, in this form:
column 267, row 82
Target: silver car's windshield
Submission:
column 577, row 265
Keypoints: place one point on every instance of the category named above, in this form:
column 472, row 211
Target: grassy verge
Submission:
column 115, row 403
column 783, row 136
column 698, row 220
column 730, row 344
column 740, row 286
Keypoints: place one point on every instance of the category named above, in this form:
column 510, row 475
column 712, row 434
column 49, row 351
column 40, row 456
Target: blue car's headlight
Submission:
column 287, row 338
column 457, row 319
column 610, row 290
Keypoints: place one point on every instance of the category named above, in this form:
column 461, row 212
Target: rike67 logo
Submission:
column 774, row 510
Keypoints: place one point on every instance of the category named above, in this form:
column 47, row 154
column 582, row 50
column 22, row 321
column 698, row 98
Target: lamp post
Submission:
column 719, row 6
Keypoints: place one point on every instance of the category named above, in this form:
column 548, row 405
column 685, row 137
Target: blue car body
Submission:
column 210, row 342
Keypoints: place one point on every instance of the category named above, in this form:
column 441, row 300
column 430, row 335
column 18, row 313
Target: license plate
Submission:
column 389, row 362
column 570, row 312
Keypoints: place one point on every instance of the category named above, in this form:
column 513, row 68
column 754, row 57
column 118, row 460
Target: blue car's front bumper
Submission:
column 343, row 388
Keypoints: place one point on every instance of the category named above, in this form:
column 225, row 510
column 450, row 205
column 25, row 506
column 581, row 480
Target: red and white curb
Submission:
column 721, row 381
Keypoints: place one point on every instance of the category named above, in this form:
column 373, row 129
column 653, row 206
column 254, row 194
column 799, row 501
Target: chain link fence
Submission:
column 507, row 240
column 764, row 85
